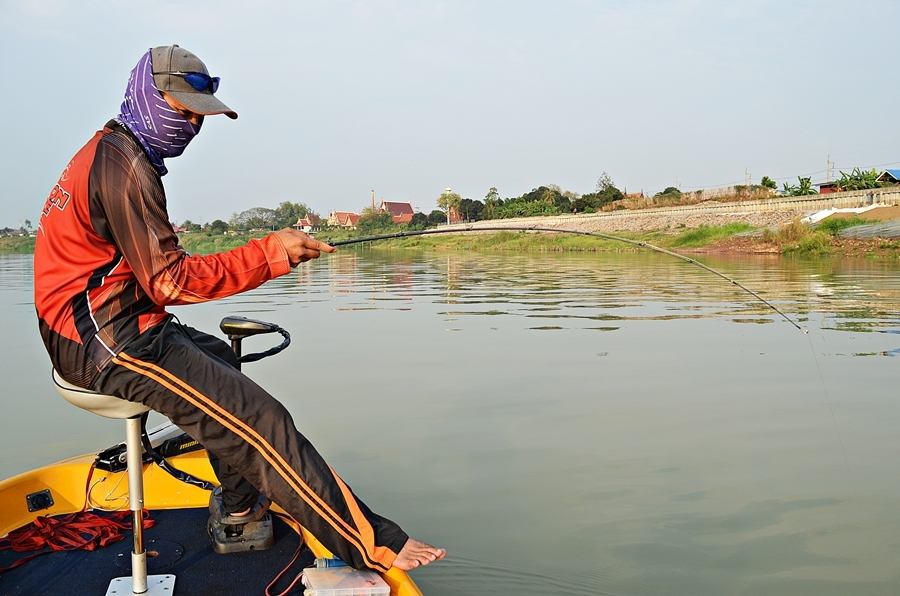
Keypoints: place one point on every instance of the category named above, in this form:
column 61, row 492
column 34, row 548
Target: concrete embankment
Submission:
column 760, row 213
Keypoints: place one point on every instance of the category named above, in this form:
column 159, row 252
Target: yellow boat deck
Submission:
column 180, row 510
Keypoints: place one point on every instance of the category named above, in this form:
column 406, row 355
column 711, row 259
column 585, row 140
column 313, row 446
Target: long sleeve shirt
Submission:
column 107, row 261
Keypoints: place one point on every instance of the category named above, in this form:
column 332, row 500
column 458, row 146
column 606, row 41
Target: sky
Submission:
column 338, row 98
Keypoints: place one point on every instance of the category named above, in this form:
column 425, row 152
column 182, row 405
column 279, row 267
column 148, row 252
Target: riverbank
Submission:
column 737, row 237
column 194, row 243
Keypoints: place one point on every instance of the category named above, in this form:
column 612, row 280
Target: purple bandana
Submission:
column 160, row 130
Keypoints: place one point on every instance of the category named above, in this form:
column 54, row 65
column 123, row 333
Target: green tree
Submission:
column 287, row 213
column 217, row 227
column 596, row 200
column 859, row 180
column 551, row 195
column 767, row 182
column 605, row 184
column 449, row 201
column 191, row 226
column 471, row 210
column 491, row 202
column 518, row 207
column 804, row 188
column 373, row 220
column 436, row 217
column 419, row 221
column 543, row 194
column 605, row 192
column 255, row 218
column 582, row 204
column 669, row 191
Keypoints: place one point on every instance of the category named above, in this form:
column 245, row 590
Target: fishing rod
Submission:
column 639, row 243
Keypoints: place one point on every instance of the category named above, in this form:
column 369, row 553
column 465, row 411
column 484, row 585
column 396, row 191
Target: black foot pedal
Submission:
column 237, row 534
column 238, row 538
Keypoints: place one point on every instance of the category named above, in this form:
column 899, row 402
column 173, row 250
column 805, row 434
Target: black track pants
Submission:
column 188, row 377
column 237, row 494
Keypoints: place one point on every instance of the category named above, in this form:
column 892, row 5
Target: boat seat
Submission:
column 107, row 406
column 110, row 406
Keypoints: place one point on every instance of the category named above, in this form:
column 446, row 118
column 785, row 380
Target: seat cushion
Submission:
column 108, row 406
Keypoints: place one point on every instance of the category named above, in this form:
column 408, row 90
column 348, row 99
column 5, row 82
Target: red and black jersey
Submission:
column 107, row 260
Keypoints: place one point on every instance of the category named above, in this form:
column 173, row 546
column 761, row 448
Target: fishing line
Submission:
column 639, row 243
column 828, row 401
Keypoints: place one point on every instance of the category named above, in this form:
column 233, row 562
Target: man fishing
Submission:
column 107, row 262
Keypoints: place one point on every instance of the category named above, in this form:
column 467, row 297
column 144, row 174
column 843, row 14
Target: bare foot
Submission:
column 417, row 554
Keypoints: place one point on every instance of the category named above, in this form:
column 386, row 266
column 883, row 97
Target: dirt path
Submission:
column 877, row 214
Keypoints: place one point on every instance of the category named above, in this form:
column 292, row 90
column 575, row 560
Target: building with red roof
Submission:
column 344, row 219
column 304, row 224
column 401, row 213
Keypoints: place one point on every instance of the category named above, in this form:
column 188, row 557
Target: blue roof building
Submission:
column 891, row 176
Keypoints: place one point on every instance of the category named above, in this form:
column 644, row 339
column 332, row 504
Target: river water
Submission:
column 572, row 423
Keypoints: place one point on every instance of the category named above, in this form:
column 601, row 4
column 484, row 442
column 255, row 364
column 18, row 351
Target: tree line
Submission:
column 548, row 199
column 258, row 218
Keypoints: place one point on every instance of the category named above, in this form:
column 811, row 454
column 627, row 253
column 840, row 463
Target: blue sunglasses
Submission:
column 198, row 80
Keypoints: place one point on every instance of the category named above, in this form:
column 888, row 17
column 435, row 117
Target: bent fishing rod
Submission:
column 638, row 243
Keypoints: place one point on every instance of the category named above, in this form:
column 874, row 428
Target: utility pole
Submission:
column 747, row 177
column 373, row 199
column 447, row 191
column 829, row 168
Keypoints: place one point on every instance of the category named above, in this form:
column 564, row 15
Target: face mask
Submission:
column 161, row 131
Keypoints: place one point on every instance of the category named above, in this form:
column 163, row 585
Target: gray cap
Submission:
column 175, row 59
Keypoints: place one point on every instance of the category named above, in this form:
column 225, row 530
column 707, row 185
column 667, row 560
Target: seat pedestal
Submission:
column 113, row 407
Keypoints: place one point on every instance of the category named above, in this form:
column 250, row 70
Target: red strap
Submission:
column 287, row 519
column 83, row 530
column 281, row 573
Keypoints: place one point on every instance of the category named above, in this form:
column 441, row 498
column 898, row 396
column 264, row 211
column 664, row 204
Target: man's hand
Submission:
column 301, row 247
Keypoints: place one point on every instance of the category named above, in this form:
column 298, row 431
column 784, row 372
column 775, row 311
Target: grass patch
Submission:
column 195, row 243
column 833, row 225
column 796, row 238
column 791, row 233
column 205, row 244
column 708, row 234
column 817, row 243
column 510, row 241
column 16, row 245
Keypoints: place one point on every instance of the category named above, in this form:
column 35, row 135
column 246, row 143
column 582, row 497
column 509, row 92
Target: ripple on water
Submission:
column 459, row 575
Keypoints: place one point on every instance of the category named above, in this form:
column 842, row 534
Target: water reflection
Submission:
column 852, row 292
